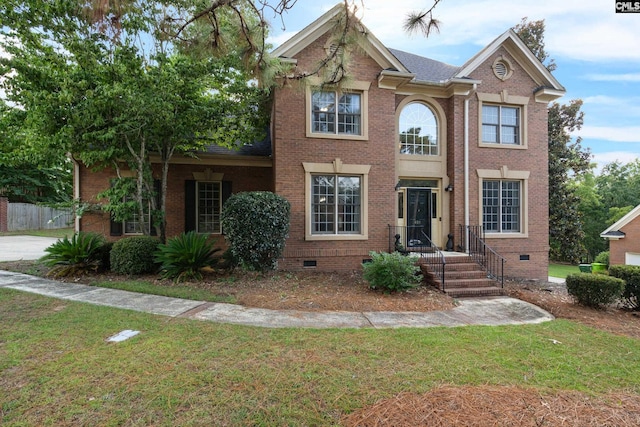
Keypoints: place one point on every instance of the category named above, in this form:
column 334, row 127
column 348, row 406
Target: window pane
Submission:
column 208, row 210
column 418, row 129
column 509, row 116
column 489, row 133
column 323, row 204
column 323, row 112
column 490, row 114
column 490, row 205
column 510, row 206
column 349, row 204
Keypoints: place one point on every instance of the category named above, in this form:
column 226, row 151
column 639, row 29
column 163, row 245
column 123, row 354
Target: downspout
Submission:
column 76, row 191
column 466, row 168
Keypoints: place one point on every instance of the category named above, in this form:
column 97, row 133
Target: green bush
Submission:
column 256, row 225
column 392, row 272
column 134, row 255
column 631, row 276
column 594, row 290
column 602, row 258
column 183, row 257
column 79, row 255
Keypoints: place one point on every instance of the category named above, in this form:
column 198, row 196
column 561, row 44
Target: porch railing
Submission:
column 413, row 240
column 482, row 254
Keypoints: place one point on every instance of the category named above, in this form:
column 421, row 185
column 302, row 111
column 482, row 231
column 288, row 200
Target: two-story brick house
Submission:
column 405, row 143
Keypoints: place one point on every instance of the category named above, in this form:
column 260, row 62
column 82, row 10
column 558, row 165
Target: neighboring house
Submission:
column 412, row 142
column 624, row 239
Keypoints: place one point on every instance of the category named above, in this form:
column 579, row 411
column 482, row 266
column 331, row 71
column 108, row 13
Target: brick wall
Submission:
column 243, row 178
column 292, row 148
column 631, row 243
column 534, row 159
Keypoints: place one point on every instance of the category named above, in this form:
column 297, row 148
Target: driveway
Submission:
column 15, row 248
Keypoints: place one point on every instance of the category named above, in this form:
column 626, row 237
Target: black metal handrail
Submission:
column 413, row 240
column 485, row 256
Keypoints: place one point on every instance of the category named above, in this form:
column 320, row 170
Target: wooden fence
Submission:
column 25, row 216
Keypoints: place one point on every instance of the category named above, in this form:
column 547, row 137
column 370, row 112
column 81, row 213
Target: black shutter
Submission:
column 226, row 191
column 189, row 205
column 115, row 227
column 157, row 188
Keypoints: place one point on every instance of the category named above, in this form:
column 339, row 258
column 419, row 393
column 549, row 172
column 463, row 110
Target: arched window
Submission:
column 418, row 129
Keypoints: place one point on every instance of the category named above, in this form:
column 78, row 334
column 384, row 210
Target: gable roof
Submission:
column 326, row 23
column 400, row 68
column 613, row 232
column 549, row 87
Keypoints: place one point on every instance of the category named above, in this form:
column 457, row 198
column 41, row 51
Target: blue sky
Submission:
column 597, row 52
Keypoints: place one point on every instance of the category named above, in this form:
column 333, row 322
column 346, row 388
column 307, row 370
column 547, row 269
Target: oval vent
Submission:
column 502, row 68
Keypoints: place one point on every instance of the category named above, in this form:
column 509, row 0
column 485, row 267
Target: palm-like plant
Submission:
column 185, row 256
column 80, row 254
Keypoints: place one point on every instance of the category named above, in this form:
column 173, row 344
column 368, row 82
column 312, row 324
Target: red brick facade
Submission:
column 387, row 87
column 624, row 239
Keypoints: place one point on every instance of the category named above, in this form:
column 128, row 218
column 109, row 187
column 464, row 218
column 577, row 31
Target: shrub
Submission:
column 391, row 272
column 79, row 255
column 631, row 276
column 183, row 257
column 602, row 258
column 594, row 290
column 256, row 225
column 134, row 255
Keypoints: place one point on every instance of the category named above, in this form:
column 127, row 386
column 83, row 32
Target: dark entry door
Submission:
column 418, row 216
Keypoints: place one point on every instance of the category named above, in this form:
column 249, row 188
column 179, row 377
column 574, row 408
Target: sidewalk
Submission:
column 475, row 311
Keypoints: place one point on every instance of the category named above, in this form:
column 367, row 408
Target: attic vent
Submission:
column 502, row 68
column 334, row 49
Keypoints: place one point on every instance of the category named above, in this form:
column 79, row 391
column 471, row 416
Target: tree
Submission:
column 567, row 160
column 122, row 92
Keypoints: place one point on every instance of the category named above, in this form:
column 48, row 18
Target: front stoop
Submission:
column 465, row 278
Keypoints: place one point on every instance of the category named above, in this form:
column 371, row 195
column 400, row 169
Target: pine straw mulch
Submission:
column 499, row 406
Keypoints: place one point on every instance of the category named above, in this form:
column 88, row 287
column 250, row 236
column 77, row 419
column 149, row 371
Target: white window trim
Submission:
column 442, row 129
column 336, row 168
column 138, row 233
column 505, row 174
column 198, row 206
column 356, row 87
column 503, row 99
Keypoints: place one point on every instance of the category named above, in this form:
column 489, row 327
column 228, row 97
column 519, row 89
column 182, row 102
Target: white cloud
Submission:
column 627, row 77
column 615, row 134
column 623, row 157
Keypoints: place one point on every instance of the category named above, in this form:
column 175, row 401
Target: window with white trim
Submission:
column 134, row 224
column 501, row 206
column 418, row 129
column 500, row 124
column 208, row 206
column 336, row 113
column 336, row 204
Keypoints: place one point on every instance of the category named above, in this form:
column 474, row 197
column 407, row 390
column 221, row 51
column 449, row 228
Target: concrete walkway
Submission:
column 475, row 311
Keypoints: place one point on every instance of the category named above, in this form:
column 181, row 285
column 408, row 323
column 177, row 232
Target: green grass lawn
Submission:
column 57, row 368
column 562, row 270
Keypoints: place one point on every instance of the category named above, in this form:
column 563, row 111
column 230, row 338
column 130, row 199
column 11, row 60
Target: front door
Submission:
column 418, row 216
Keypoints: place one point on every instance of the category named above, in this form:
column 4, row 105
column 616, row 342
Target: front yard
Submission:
column 58, row 369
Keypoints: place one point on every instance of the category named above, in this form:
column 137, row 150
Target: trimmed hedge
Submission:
column 256, row 225
column 134, row 255
column 631, row 276
column 594, row 290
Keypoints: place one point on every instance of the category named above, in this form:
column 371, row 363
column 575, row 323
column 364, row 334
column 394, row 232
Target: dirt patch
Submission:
column 499, row 406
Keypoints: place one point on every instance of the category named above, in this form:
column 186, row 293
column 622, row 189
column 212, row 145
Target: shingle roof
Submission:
column 425, row 69
column 258, row 149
